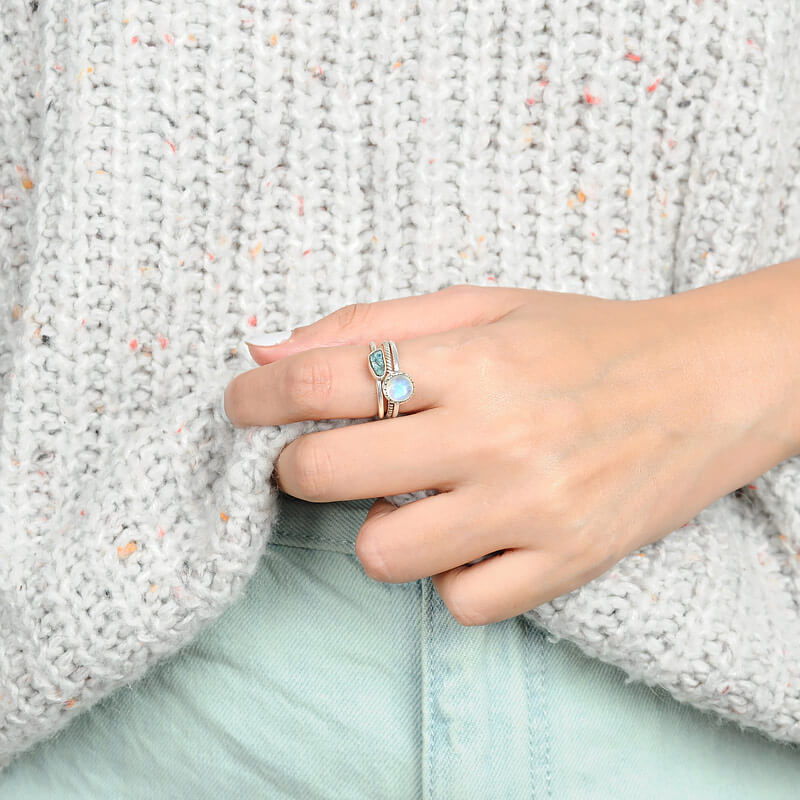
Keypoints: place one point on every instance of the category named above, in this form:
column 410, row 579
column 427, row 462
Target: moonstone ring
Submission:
column 390, row 382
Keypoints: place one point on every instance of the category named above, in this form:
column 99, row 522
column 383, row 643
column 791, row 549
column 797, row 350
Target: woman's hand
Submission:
column 564, row 430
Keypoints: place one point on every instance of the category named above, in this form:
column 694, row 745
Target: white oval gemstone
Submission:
column 398, row 388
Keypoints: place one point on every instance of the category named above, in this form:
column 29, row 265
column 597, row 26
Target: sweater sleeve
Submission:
column 709, row 612
column 778, row 490
column 132, row 513
column 765, row 234
column 775, row 239
column 18, row 152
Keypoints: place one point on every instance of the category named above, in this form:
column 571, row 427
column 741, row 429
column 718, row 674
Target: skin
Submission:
column 564, row 430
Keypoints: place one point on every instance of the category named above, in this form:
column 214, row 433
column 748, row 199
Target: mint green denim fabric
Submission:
column 320, row 682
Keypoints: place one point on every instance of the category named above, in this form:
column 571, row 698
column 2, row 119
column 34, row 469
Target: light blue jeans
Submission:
column 320, row 682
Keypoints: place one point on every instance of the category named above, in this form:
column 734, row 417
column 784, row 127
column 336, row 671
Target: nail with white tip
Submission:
column 222, row 409
column 268, row 339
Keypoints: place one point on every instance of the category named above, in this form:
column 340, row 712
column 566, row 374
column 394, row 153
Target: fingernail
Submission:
column 268, row 339
column 222, row 409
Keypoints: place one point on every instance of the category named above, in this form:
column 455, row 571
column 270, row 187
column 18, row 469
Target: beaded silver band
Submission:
column 391, row 407
column 391, row 383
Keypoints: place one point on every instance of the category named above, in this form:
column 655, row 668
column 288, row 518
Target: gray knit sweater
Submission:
column 175, row 175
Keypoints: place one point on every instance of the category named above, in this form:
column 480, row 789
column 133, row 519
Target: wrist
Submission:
column 736, row 348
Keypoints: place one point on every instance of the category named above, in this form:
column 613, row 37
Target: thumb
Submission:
column 455, row 306
column 380, row 508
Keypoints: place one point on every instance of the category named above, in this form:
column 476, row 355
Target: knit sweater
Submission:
column 175, row 175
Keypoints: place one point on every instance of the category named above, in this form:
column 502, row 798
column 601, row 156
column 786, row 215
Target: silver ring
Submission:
column 377, row 366
column 392, row 384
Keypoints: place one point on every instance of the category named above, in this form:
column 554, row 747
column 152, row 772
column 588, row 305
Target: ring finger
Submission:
column 373, row 459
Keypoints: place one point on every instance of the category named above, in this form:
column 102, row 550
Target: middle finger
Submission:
column 373, row 459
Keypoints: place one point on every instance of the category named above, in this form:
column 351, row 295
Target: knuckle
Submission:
column 517, row 442
column 464, row 613
column 556, row 503
column 310, row 383
column 353, row 315
column 484, row 353
column 461, row 352
column 372, row 559
column 233, row 395
column 564, row 510
column 312, row 469
column 570, row 416
column 512, row 441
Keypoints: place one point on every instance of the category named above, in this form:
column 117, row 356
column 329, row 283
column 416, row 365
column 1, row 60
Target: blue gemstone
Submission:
column 398, row 388
column 377, row 364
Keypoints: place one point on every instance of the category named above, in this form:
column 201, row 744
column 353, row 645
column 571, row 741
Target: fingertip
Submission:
column 222, row 409
column 380, row 508
column 262, row 355
column 249, row 352
column 268, row 339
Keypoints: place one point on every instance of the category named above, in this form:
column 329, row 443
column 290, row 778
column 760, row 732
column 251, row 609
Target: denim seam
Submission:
column 540, row 672
column 429, row 611
column 539, row 763
column 531, row 754
column 547, row 740
column 286, row 543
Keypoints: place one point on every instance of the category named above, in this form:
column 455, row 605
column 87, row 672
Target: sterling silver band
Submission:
column 372, row 348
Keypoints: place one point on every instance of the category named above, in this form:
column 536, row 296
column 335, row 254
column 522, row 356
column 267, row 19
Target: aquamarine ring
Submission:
column 392, row 384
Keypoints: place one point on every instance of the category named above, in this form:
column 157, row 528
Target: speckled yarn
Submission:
column 175, row 174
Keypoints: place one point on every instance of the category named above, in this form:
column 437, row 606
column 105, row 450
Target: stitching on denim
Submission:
column 429, row 611
column 287, row 543
column 547, row 741
column 529, row 699
column 431, row 677
column 538, row 664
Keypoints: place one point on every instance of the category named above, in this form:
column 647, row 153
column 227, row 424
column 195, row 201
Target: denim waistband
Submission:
column 319, row 526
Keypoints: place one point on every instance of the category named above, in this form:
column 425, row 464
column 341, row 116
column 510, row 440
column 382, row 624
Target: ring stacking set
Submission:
column 392, row 385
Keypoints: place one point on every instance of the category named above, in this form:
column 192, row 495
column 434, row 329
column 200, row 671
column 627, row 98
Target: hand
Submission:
column 562, row 429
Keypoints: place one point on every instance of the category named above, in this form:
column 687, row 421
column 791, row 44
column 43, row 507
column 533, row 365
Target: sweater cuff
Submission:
column 778, row 492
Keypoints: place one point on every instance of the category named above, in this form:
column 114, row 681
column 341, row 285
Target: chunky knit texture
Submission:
column 176, row 174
